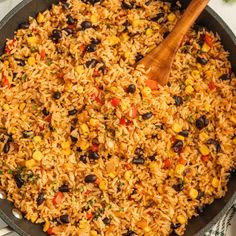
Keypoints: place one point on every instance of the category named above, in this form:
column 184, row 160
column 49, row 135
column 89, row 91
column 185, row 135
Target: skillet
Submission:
column 198, row 225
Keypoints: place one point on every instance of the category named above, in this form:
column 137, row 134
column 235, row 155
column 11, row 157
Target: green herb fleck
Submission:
column 24, row 77
column 49, row 61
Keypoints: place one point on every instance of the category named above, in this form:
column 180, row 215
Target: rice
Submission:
column 90, row 146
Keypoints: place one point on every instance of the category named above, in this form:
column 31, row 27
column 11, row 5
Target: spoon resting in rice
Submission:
column 158, row 62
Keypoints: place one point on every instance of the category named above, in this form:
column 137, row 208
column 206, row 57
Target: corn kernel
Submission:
column 180, row 137
column 84, row 145
column 204, row 150
column 179, row 169
column 189, row 80
column 205, row 47
column 215, row 182
column 46, row 226
column 32, row 40
column 6, row 107
column 6, row 63
column 203, row 136
column 171, row 17
column 234, row 140
column 31, row 61
column 22, row 106
column 166, row 7
column 83, row 224
column 94, row 19
column 128, row 175
column 156, row 27
column 113, row 40
column 149, row 32
column 79, row 69
column 153, row 165
column 195, row 74
column 93, row 233
column 128, row 54
column 189, row 89
column 80, row 90
column 40, row 18
column 160, row 189
column 146, row 91
column 112, row 175
column 136, row 23
column 147, row 229
column 103, row 185
column 30, row 163
column 37, row 155
column 66, row 152
column 124, row 106
column 193, row 193
column 176, row 127
column 125, row 37
column 33, row 218
column 37, row 139
column 65, row 145
column 181, row 219
column 84, row 129
column 233, row 119
column 93, row 122
column 207, row 107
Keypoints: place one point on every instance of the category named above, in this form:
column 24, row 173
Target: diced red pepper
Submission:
column 57, row 198
column 205, row 158
column 208, row 40
column 152, row 84
column 182, row 161
column 123, row 121
column 50, row 231
column 97, row 96
column 133, row 112
column 115, row 102
column 71, row 26
column 211, row 85
column 42, row 54
column 82, row 48
column 89, row 215
column 94, row 147
column 5, row 82
column 167, row 163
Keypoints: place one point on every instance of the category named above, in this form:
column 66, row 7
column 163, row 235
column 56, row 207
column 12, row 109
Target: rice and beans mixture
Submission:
column 89, row 145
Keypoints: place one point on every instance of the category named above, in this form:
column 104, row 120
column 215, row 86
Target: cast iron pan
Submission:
column 197, row 226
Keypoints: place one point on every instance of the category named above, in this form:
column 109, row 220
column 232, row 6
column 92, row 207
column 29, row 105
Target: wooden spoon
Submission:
column 159, row 61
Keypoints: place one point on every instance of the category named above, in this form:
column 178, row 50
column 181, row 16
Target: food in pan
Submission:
column 89, row 145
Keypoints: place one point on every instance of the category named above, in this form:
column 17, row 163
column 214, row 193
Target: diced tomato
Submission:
column 133, row 112
column 208, row 40
column 57, row 198
column 60, row 75
column 50, row 231
column 42, row 54
column 167, row 163
column 89, row 215
column 205, row 158
column 182, row 161
column 71, row 26
column 128, row 166
column 82, row 47
column 48, row 118
column 123, row 121
column 211, row 85
column 96, row 73
column 5, row 82
column 94, row 147
column 152, row 84
column 41, row 128
column 115, row 102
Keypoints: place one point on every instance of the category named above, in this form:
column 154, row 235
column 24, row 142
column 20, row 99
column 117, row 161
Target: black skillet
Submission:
column 197, row 226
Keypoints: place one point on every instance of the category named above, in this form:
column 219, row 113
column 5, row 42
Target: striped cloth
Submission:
column 226, row 226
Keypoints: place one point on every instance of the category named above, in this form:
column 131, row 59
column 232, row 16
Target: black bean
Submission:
column 152, row 158
column 92, row 63
column 56, row 95
column 83, row 158
column 73, row 139
column 65, row 5
column 184, row 133
column 40, row 199
column 201, row 122
column 201, row 209
column 175, row 226
column 51, row 127
column 138, row 151
column 56, row 35
column 178, row 187
column 126, row 25
column 224, row 77
column 166, row 34
column 10, row 138
column 138, row 161
column 18, row 179
column 45, row 111
column 86, row 25
column 106, row 221
column 95, row 41
column 174, row 7
column 158, row 16
column 90, row 179
column 24, row 25
column 134, row 191
column 178, row 146
column 147, row 115
column 202, row 60
column 20, row 62
column 64, row 188
column 129, row 233
column 91, row 1
column 78, row 149
column 6, row 147
column 93, row 155
column 72, row 112
column 215, row 143
column 70, row 20
column 69, row 31
column 138, row 57
column 127, row 6
column 65, row 219
column 92, row 47
column 178, row 100
column 200, row 195
column 27, row 134
column 148, row 2
column 131, row 88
